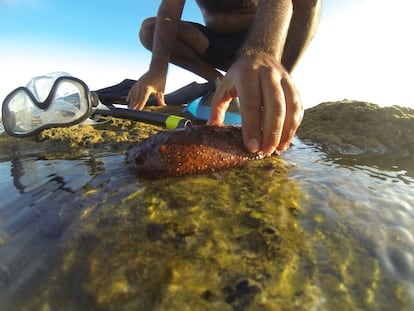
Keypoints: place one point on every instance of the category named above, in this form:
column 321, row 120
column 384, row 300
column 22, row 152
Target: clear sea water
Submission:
column 335, row 232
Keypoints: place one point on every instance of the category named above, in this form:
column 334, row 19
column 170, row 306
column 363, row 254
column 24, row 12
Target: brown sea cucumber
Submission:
column 192, row 150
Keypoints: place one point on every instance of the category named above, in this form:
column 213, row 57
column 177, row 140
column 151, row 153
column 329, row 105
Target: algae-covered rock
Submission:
column 356, row 127
column 228, row 241
column 242, row 239
column 68, row 142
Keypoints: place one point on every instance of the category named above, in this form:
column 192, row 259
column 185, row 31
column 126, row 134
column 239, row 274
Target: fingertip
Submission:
column 216, row 116
column 211, row 122
column 283, row 147
column 252, row 145
column 269, row 150
column 161, row 100
column 128, row 100
column 214, row 121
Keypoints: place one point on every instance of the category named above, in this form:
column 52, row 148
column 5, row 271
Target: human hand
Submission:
column 270, row 107
column 148, row 84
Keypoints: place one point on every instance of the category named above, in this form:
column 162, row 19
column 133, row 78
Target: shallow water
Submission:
column 310, row 231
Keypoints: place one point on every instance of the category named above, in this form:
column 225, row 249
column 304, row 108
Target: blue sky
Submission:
column 111, row 25
column 361, row 50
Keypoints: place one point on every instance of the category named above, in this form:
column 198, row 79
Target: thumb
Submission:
column 219, row 106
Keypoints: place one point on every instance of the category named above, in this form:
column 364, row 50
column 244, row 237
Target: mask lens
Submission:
column 68, row 103
column 19, row 114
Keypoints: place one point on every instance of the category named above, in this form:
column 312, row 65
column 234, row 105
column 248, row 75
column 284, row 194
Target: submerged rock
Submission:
column 356, row 127
column 189, row 151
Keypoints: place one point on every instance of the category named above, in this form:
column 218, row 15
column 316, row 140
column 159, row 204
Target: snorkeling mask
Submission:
column 59, row 100
column 53, row 100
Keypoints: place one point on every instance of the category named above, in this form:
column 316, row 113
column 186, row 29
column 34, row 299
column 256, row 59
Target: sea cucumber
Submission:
column 191, row 150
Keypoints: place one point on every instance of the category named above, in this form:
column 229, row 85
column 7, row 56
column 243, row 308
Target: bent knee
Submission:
column 146, row 33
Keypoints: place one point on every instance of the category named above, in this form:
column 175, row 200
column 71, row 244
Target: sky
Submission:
column 362, row 50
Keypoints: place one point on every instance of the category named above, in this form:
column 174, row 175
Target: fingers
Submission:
column 274, row 111
column 160, row 99
column 294, row 113
column 250, row 98
column 283, row 113
column 220, row 102
column 250, row 109
column 138, row 97
column 149, row 83
column 270, row 108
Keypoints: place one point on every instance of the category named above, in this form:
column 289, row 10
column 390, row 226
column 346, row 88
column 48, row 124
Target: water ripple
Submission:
column 372, row 200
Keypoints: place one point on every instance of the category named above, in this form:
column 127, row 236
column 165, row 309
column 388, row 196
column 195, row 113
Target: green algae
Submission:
column 358, row 127
column 216, row 241
column 243, row 239
column 348, row 127
column 111, row 134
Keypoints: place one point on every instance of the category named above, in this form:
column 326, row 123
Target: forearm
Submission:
column 306, row 14
column 166, row 29
column 270, row 28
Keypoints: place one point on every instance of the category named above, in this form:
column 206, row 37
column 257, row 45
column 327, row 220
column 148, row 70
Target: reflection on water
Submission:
column 39, row 200
column 328, row 232
column 371, row 205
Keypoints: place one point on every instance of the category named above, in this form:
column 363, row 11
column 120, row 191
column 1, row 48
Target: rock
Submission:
column 355, row 127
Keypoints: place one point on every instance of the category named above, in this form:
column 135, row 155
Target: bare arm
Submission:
column 270, row 28
column 306, row 14
column 284, row 28
column 165, row 34
column 166, row 28
column 270, row 105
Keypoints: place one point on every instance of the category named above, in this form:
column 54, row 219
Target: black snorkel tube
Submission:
column 165, row 120
column 179, row 97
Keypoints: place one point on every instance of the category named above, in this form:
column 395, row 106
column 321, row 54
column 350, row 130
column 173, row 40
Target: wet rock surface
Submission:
column 249, row 238
column 355, row 127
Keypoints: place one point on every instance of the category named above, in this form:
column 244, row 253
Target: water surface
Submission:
column 308, row 231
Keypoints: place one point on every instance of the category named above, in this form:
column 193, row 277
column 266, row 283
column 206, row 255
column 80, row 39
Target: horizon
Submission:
column 360, row 51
